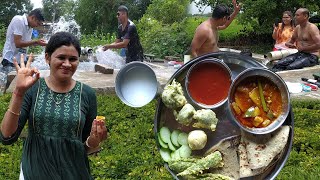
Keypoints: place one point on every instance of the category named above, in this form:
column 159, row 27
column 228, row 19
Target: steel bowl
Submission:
column 195, row 68
column 285, row 96
column 136, row 84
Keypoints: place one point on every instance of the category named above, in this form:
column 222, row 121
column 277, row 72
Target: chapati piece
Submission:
column 245, row 170
column 258, row 152
column 228, row 148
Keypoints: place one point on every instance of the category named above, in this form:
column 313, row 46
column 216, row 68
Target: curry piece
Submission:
column 253, row 108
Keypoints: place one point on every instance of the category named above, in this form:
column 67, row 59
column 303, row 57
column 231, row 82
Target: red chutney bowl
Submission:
column 208, row 82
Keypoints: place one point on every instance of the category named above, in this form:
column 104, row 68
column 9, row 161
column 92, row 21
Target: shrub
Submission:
column 97, row 39
column 167, row 40
column 3, row 31
column 130, row 152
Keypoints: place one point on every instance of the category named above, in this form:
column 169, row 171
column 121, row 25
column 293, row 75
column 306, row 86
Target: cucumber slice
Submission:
column 165, row 134
column 171, row 146
column 175, row 155
column 174, row 137
column 185, row 151
column 183, row 138
column 162, row 144
column 165, row 154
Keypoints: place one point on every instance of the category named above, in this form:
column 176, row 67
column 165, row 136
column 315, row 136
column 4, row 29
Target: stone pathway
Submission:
column 105, row 83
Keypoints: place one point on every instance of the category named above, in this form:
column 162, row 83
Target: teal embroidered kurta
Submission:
column 58, row 125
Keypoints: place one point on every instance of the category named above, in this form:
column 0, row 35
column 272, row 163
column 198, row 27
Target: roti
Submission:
column 228, row 148
column 258, row 152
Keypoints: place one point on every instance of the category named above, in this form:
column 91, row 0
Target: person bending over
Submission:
column 127, row 37
column 19, row 34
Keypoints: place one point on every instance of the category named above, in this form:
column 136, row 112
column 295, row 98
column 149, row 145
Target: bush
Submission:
column 304, row 160
column 131, row 152
column 234, row 31
column 3, row 31
column 96, row 39
column 167, row 40
column 175, row 39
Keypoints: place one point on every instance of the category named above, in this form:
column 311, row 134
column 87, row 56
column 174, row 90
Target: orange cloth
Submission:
column 284, row 35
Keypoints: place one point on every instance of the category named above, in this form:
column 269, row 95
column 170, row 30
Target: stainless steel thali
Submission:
column 225, row 127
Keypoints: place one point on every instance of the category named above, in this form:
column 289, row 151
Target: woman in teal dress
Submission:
column 60, row 112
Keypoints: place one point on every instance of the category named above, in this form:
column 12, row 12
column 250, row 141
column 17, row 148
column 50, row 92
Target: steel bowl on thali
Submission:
column 226, row 130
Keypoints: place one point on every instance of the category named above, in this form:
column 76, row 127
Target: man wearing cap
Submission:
column 206, row 37
column 19, row 34
column 127, row 37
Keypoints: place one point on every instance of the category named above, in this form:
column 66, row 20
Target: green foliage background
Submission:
column 100, row 15
column 131, row 152
column 53, row 10
column 3, row 31
column 10, row 8
column 97, row 39
column 261, row 14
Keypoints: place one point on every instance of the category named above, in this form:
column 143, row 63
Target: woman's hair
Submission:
column 292, row 24
column 62, row 39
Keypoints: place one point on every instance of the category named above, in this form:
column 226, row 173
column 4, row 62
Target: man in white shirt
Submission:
column 18, row 36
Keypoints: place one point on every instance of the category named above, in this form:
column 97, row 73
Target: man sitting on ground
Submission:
column 307, row 38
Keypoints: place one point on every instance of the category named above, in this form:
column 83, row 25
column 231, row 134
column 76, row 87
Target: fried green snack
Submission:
column 206, row 118
column 185, row 114
column 181, row 164
column 208, row 176
column 172, row 95
column 213, row 160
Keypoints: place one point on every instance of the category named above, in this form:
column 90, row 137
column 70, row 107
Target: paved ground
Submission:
column 105, row 83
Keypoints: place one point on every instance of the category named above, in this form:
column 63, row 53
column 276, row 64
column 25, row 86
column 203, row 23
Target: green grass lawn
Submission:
column 131, row 153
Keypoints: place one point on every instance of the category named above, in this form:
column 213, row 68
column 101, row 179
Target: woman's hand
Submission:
column 26, row 76
column 98, row 133
column 290, row 45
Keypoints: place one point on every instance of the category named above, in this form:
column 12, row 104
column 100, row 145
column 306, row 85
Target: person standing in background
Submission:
column 282, row 32
column 127, row 37
column 206, row 36
column 19, row 34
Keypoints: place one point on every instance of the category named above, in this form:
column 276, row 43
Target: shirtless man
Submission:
column 307, row 38
column 206, row 37
column 306, row 34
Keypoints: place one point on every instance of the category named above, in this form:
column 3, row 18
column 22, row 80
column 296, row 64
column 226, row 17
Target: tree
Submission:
column 168, row 11
column 262, row 13
column 54, row 9
column 100, row 15
column 164, row 28
column 10, row 8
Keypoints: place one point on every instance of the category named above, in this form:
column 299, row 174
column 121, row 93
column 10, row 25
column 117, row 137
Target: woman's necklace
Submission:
column 58, row 101
column 59, row 98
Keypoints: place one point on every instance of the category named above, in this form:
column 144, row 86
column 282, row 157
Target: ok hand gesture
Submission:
column 26, row 76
